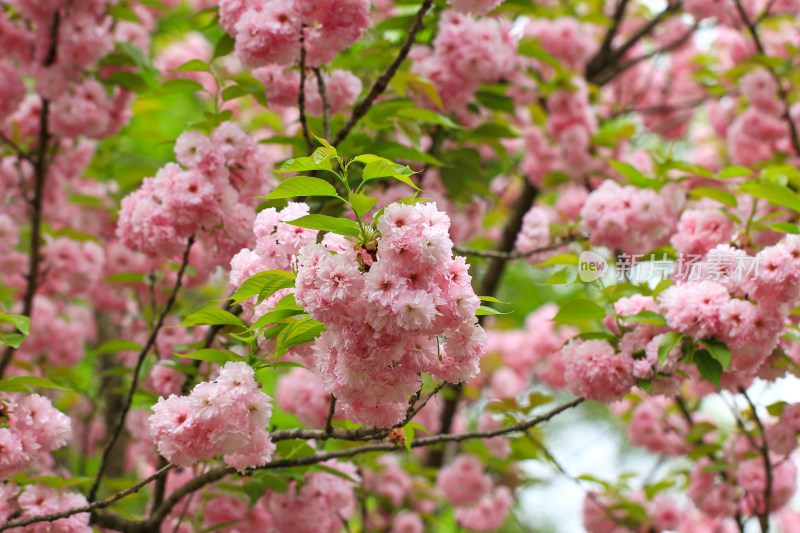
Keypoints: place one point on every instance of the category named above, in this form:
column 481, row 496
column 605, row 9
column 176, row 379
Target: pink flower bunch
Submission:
column 282, row 86
column 277, row 246
column 302, row 393
column 237, row 514
column 751, row 327
column 595, row 371
column 475, row 7
column 88, row 109
column 226, row 416
column 700, row 230
column 489, row 513
column 464, row 482
column 30, row 428
column 663, row 512
column 59, row 332
column 466, row 52
column 213, row 194
column 41, row 500
column 657, row 429
column 411, row 310
column 571, row 42
column 752, row 478
column 319, row 505
column 74, row 266
column 12, row 90
column 269, row 32
column 392, row 482
column 629, row 219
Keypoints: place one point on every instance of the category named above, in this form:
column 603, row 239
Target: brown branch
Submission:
column 39, row 176
column 383, row 80
column 301, row 96
column 784, row 96
column 763, row 517
column 218, row 473
column 687, row 415
column 100, row 504
column 496, row 254
column 329, row 418
column 597, row 69
column 22, row 154
column 135, row 382
column 326, row 106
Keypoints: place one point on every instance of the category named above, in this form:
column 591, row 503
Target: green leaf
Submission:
column 784, row 227
column 332, row 471
column 123, row 12
column 490, row 299
column 646, row 317
column 718, row 351
column 126, row 277
column 560, row 259
column 212, row 355
column 699, row 430
column 297, row 333
column 304, row 163
column 631, row 174
column 709, row 368
column 426, row 115
column 179, row 85
column 194, row 65
column 734, row 172
column 579, row 309
column 666, row 344
column 497, row 102
column 723, row 197
column 398, row 151
column 117, row 346
column 362, row 203
column 323, row 153
column 233, row 92
column 773, row 193
column 341, row 226
column 212, row 316
column 12, row 339
column 776, row 409
column 486, row 310
column 21, row 322
column 378, row 167
column 270, row 280
column 274, row 317
column 224, row 46
column 24, row 384
column 301, row 186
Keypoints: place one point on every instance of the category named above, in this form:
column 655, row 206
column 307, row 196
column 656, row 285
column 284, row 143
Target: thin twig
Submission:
column 763, row 517
column 218, row 473
column 784, row 96
column 40, row 175
column 496, row 254
column 326, row 106
column 100, row 504
column 329, row 418
column 383, row 80
column 135, row 382
column 301, row 96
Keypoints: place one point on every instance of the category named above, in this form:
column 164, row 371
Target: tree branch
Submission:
column 215, row 474
column 135, row 382
column 301, row 96
column 100, row 504
column 763, row 516
column 39, row 176
column 383, row 80
column 326, row 106
column 784, row 96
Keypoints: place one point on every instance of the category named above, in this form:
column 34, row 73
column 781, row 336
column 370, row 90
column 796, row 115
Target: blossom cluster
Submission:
column 479, row 506
column 412, row 310
column 466, row 52
column 270, row 32
column 30, row 428
column 214, row 193
column 226, row 416
column 41, row 500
